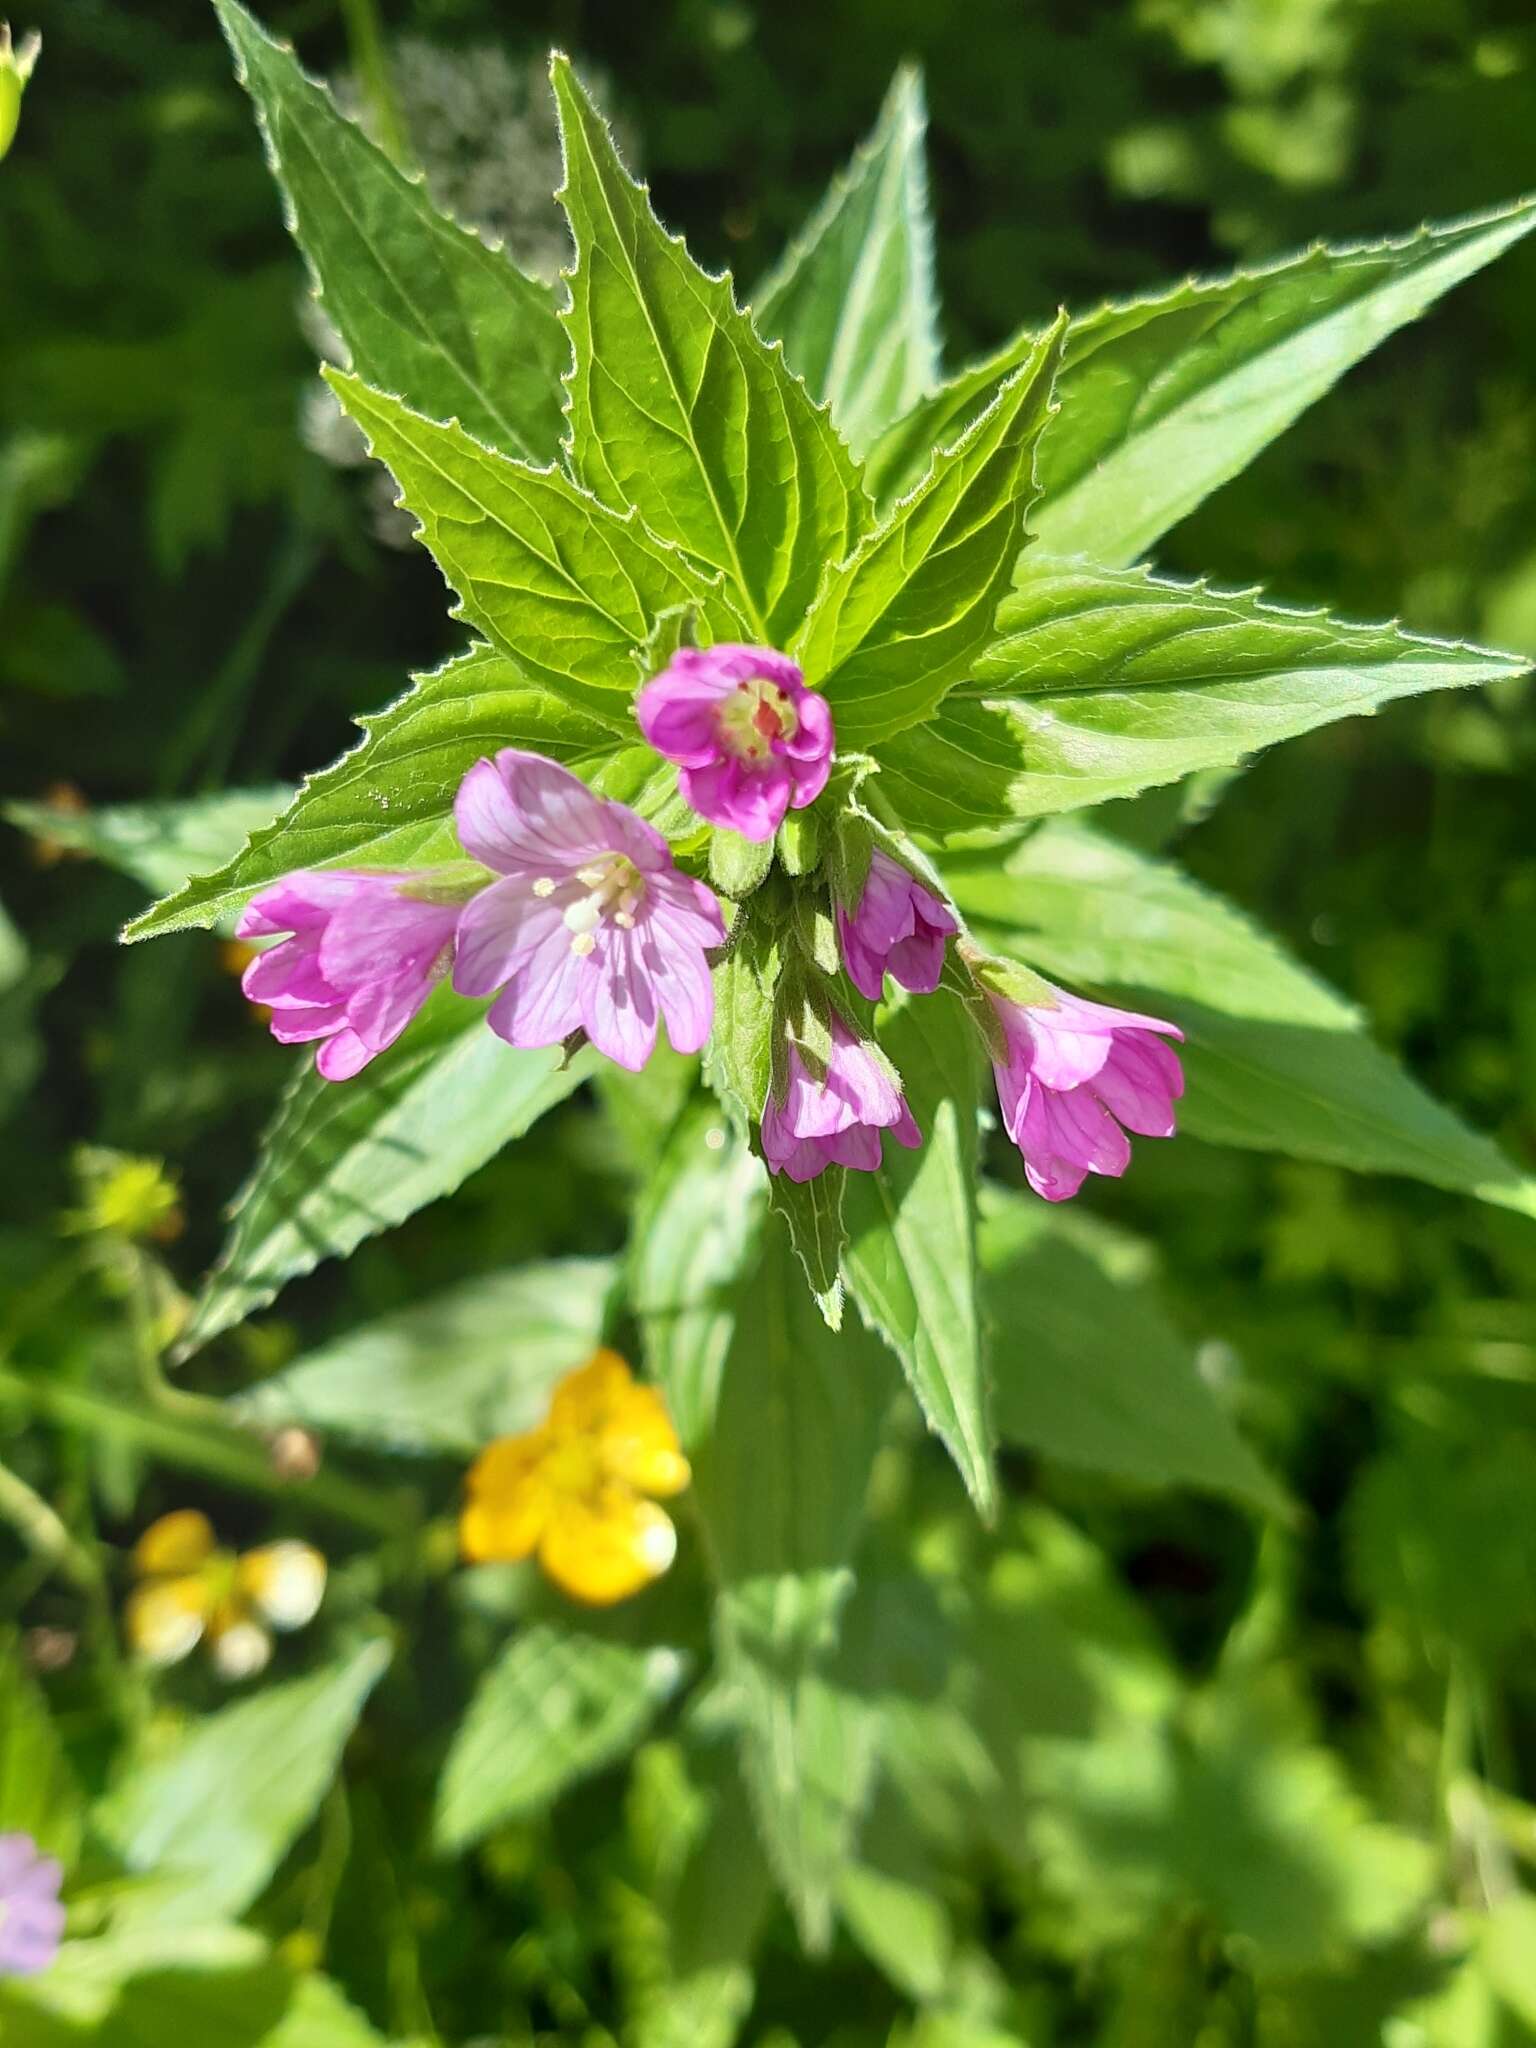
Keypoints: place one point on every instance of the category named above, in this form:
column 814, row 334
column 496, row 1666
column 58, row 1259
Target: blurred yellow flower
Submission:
column 190, row 1590
column 575, row 1489
column 125, row 1197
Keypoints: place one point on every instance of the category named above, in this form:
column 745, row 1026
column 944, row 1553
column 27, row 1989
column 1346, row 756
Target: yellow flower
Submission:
column 125, row 1197
column 190, row 1590
column 575, row 1488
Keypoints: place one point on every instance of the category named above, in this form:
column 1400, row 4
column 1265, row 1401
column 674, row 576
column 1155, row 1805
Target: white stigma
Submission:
column 614, row 889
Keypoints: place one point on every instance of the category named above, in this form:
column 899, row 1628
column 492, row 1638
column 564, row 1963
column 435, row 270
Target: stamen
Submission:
column 545, row 886
column 583, row 944
column 584, row 915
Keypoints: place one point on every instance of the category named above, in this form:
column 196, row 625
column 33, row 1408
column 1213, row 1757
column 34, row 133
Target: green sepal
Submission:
column 738, row 866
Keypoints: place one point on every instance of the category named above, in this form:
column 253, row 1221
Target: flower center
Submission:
column 756, row 714
column 611, row 887
column 573, row 1467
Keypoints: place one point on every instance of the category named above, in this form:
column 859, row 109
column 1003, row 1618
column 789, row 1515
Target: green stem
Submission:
column 371, row 63
column 44, row 1533
column 210, row 1446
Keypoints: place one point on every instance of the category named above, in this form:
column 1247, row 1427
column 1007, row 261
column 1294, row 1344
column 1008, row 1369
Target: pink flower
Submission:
column 899, row 929
column 1075, row 1072
column 836, row 1122
column 31, row 1918
column 364, row 953
column 591, row 926
column 752, row 741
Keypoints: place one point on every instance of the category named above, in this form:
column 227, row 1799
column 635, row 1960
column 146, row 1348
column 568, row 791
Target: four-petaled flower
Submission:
column 837, row 1121
column 31, row 1918
column 575, row 1490
column 1073, row 1072
column 362, row 953
column 899, row 928
column 750, row 739
column 190, row 1590
column 592, row 926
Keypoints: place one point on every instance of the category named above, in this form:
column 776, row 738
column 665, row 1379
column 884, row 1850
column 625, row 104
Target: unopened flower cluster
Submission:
column 570, row 913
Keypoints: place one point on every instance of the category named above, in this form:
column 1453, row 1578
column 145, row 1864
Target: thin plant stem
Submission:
column 209, row 1445
column 43, row 1531
column 370, row 60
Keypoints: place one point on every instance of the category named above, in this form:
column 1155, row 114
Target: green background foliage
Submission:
column 1222, row 1731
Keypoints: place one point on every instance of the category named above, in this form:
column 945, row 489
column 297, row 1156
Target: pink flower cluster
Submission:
column 589, row 925
column 577, row 918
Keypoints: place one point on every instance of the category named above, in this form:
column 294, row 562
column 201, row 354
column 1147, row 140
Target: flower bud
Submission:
column 15, row 69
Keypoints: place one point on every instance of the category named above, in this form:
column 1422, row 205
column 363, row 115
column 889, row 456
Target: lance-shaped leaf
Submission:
column 911, row 1259
column 560, row 584
column 696, row 1228
column 158, row 844
column 1086, row 1365
column 214, row 1815
column 388, row 802
column 554, row 1707
column 1104, row 682
column 905, row 617
column 780, row 1486
column 344, row 1160
column 853, row 300
column 424, row 307
column 1274, row 1058
column 1165, row 398
column 677, row 407
column 451, row 1372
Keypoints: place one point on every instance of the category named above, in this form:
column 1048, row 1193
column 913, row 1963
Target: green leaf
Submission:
column 454, row 1371
column 812, row 1212
column 38, row 1793
column 677, row 408
column 344, row 1160
column 739, row 1058
column 214, row 1816
column 566, row 588
column 555, row 1707
column 780, row 1488
column 696, row 1227
column 1235, row 1811
column 81, row 1985
column 854, row 300
column 1165, row 398
column 911, row 1262
column 424, row 307
column 903, row 619
column 1274, row 1059
column 711, row 1917
column 158, row 844
column 1102, row 683
column 1088, row 1369
column 389, row 801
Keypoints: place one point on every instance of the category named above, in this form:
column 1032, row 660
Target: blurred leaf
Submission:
column 853, row 299
column 422, row 305
column 906, row 616
column 564, row 587
column 1163, row 399
column 214, row 1816
column 158, row 844
column 1274, row 1058
column 80, row 1987
column 690, row 417
column 1439, row 1535
column 344, row 1160
column 452, row 1372
column 1235, row 1812
column 1087, row 1368
column 1103, row 683
column 901, row 1926
column 389, row 801
column 911, row 1262
column 38, row 1793
column 780, row 1488
column 696, row 1226
column 555, row 1706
